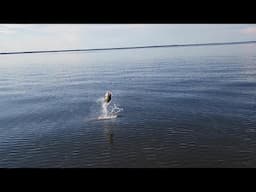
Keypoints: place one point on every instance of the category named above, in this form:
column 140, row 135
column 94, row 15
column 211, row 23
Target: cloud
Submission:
column 5, row 30
column 15, row 37
column 13, row 29
column 249, row 30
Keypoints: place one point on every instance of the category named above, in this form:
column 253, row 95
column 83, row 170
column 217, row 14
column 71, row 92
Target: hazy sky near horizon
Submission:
column 24, row 37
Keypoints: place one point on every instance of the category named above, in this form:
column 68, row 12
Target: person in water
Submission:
column 107, row 97
column 106, row 102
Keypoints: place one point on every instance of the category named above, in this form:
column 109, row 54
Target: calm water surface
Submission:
column 183, row 107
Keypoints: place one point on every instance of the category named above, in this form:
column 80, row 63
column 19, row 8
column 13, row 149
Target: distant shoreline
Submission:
column 134, row 47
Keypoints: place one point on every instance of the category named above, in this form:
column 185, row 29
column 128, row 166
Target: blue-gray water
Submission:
column 183, row 107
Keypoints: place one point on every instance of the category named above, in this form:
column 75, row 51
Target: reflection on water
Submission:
column 108, row 131
column 110, row 135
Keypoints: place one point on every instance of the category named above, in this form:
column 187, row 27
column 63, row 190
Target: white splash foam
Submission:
column 107, row 113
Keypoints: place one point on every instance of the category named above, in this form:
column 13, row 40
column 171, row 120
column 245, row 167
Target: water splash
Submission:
column 108, row 111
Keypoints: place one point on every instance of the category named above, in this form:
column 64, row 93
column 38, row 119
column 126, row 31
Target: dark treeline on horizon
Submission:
column 134, row 47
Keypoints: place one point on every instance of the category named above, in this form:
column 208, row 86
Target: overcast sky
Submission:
column 23, row 37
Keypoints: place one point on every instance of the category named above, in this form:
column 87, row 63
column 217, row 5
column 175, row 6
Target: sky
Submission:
column 27, row 37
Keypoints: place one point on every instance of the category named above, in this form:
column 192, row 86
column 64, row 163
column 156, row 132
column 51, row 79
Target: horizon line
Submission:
column 132, row 47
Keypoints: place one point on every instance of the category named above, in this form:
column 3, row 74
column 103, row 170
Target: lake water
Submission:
column 182, row 107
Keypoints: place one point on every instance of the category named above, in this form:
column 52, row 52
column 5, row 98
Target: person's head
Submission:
column 108, row 95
